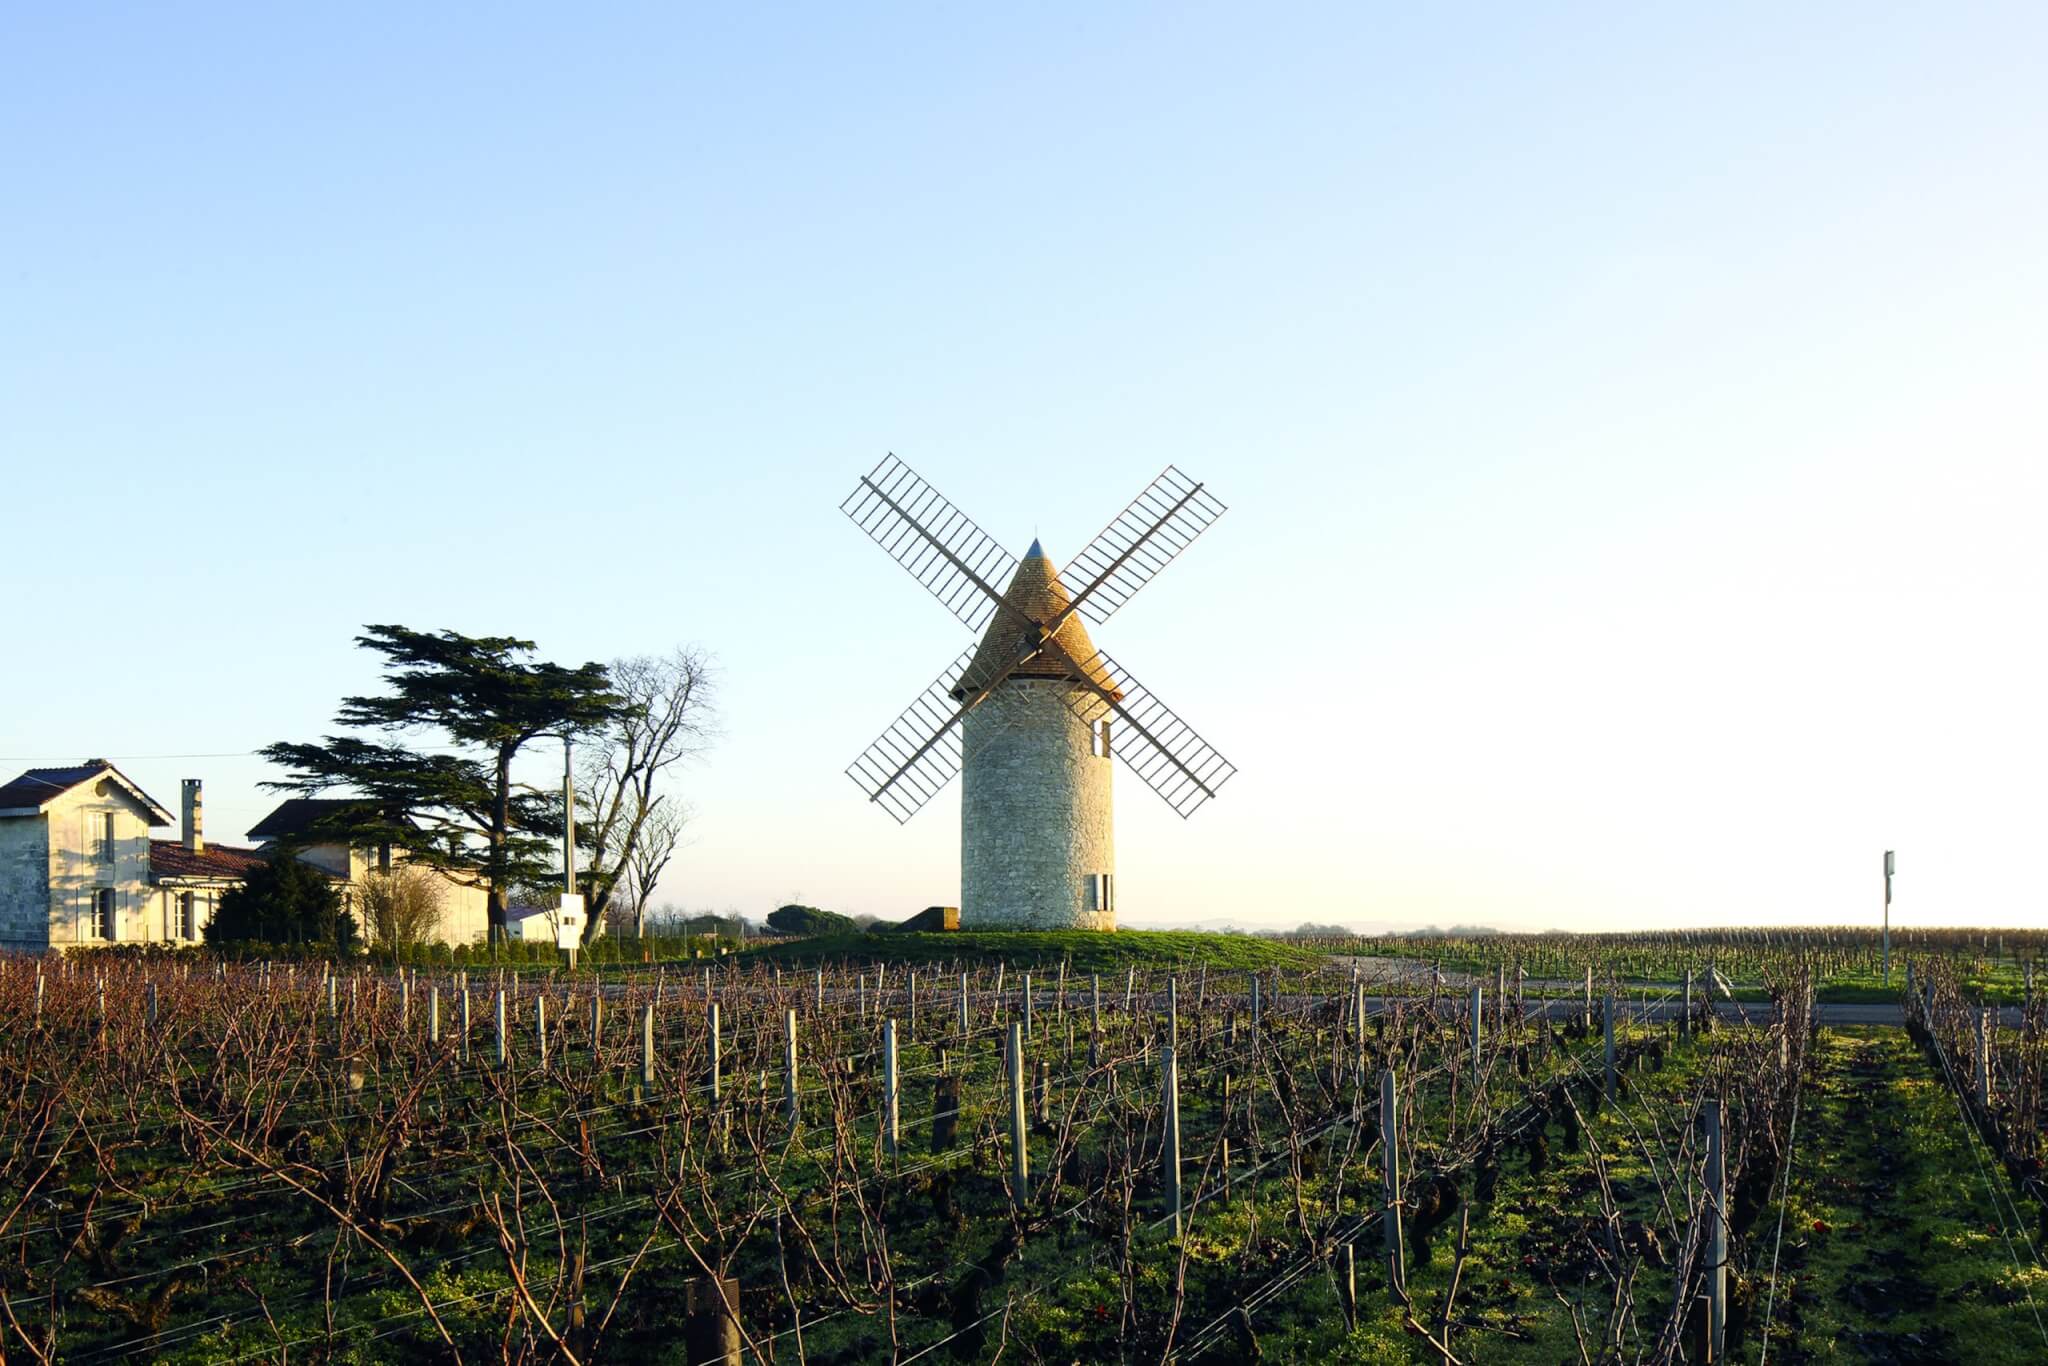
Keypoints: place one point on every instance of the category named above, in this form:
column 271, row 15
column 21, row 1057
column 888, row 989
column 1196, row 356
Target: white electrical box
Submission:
column 569, row 922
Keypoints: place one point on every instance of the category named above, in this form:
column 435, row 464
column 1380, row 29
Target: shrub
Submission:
column 808, row 920
column 284, row 901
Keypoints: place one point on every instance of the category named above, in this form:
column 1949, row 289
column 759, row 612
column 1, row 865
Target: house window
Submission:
column 103, row 914
column 1098, row 739
column 183, row 929
column 106, row 840
column 1102, row 891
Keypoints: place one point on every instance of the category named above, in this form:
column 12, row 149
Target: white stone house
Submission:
column 296, row 823
column 531, row 924
column 78, row 866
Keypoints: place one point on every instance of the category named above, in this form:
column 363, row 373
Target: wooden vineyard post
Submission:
column 1478, row 1028
column 892, row 1133
column 1607, row 1033
column 596, row 1026
column 1130, row 989
column 789, row 1066
column 1024, row 1010
column 404, row 1000
column 910, row 1013
column 540, row 1027
column 149, row 1004
column 1685, row 1020
column 1059, row 994
column 1169, row 1153
column 1357, row 1047
column 1173, row 1013
column 433, row 1014
column 1586, row 1019
column 1255, row 1007
column 963, row 1010
column 1020, row 1157
column 1500, row 996
column 504, row 1044
column 718, row 1119
column 1095, row 1020
column 818, row 992
column 1984, row 1062
column 465, row 1023
column 711, row 1326
column 1390, row 1167
column 1347, row 1281
column 1717, row 1232
column 647, row 1044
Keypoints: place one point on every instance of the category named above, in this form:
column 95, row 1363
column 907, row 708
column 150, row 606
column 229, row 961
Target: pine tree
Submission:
column 460, row 812
column 283, row 901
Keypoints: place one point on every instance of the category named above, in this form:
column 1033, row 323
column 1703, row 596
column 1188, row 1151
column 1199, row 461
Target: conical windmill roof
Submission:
column 1036, row 588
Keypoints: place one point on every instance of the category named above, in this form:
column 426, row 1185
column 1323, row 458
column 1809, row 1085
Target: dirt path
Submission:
column 1891, row 1251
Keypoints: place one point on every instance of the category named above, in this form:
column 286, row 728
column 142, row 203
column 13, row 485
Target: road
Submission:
column 1756, row 1012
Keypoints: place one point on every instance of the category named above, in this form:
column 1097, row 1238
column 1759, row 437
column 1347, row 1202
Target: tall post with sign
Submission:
column 1888, row 867
column 569, row 920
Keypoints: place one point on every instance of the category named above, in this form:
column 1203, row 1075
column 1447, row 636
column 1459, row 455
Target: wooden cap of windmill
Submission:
column 1035, row 588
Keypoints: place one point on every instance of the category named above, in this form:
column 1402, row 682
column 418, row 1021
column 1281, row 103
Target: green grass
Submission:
column 1081, row 950
column 1891, row 1238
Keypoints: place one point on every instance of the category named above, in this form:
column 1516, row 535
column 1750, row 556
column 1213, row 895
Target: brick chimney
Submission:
column 194, row 825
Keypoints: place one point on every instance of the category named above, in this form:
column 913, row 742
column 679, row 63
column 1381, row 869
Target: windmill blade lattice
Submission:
column 958, row 563
column 1143, row 539
column 925, row 748
column 1154, row 743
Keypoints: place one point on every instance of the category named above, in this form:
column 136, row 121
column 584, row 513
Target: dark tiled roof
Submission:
column 298, row 815
column 39, row 785
column 170, row 858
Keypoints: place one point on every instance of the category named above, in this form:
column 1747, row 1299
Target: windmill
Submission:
column 1031, row 713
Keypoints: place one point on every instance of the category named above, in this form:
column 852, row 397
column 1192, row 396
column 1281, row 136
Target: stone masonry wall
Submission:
column 1035, row 818
column 24, row 884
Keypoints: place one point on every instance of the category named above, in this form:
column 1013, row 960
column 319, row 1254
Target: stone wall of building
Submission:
column 1035, row 818
column 24, row 884
column 78, row 872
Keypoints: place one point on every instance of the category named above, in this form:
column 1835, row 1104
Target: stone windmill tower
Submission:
column 1032, row 713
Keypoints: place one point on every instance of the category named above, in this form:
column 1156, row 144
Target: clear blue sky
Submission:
column 1632, row 420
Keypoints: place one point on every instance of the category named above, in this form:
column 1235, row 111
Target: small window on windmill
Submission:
column 1101, row 892
column 1098, row 743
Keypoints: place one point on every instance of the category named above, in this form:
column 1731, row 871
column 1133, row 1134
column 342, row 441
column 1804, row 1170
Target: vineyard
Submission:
column 1619, row 1152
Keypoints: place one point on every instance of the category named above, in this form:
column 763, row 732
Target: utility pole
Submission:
column 569, row 920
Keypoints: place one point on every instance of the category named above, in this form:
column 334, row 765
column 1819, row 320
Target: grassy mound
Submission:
column 1083, row 950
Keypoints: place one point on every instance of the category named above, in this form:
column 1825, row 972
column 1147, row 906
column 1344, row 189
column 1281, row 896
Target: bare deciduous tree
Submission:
column 401, row 905
column 631, row 825
column 660, row 835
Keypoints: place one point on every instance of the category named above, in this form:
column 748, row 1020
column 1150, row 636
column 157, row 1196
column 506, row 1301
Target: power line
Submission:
column 123, row 758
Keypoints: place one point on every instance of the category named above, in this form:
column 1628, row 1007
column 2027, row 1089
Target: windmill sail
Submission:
column 924, row 748
column 1140, row 541
column 1154, row 743
column 941, row 547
